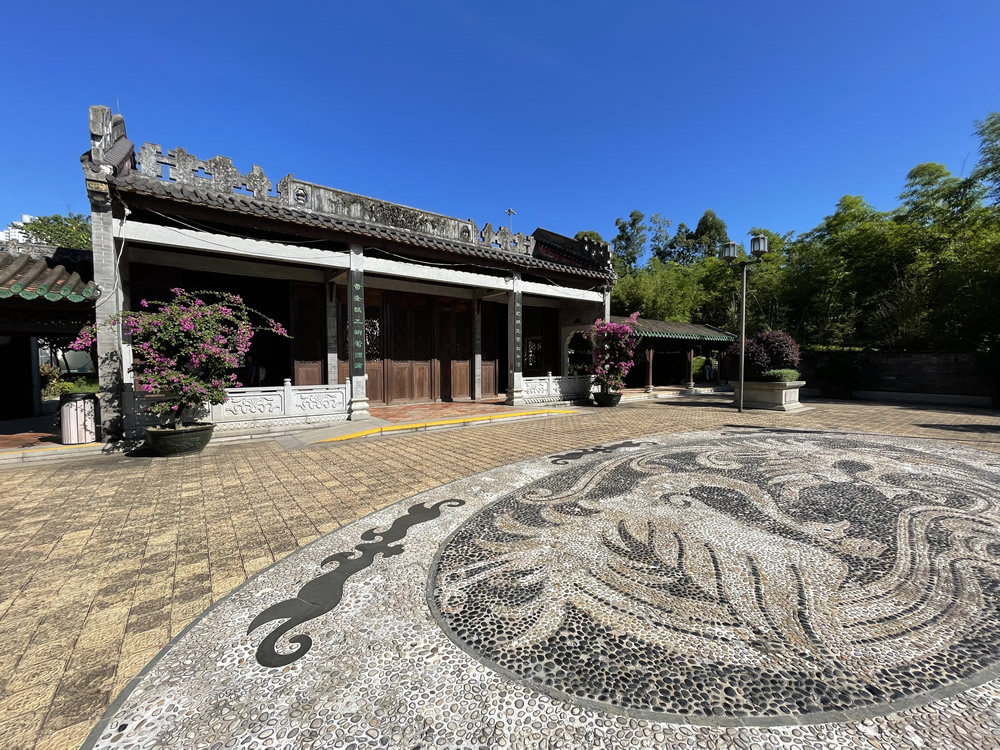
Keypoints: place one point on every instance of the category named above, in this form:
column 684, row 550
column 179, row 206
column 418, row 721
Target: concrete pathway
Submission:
column 103, row 561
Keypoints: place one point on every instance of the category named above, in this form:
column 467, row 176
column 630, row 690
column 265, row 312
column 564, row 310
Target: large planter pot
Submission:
column 607, row 399
column 771, row 396
column 189, row 438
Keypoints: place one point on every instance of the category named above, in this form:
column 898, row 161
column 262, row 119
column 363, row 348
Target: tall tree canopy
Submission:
column 922, row 275
column 630, row 242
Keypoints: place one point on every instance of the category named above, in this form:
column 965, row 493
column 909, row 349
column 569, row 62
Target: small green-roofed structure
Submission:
column 665, row 329
column 666, row 351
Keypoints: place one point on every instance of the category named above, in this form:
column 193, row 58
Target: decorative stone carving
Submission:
column 568, row 388
column 252, row 405
column 220, row 174
column 536, row 387
column 217, row 172
column 504, row 239
column 321, row 402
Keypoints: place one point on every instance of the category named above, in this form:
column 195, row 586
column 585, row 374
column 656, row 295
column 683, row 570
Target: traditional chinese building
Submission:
column 386, row 304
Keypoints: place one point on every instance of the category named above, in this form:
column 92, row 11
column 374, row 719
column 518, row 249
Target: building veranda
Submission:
column 386, row 304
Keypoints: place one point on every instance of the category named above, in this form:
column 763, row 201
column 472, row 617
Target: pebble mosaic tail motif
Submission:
column 323, row 593
column 752, row 578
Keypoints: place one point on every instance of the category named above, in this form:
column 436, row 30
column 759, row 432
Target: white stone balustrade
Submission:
column 268, row 409
column 551, row 388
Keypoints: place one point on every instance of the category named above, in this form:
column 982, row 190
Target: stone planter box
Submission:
column 771, row 396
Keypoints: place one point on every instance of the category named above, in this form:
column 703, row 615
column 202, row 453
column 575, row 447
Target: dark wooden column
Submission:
column 356, row 334
column 649, row 370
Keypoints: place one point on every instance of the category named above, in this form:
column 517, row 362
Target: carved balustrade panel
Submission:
column 319, row 401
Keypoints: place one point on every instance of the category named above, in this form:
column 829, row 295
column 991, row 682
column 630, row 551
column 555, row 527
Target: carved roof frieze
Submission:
column 220, row 174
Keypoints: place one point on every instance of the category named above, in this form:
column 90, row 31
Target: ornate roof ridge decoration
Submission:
column 113, row 159
column 219, row 173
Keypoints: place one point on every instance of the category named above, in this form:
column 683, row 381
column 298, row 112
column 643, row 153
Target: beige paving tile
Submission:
column 103, row 560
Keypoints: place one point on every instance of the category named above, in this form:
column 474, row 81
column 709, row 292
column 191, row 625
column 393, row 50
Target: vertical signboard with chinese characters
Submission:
column 515, row 328
column 518, row 332
column 356, row 316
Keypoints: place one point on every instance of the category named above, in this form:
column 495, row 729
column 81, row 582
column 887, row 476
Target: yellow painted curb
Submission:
column 49, row 448
column 441, row 422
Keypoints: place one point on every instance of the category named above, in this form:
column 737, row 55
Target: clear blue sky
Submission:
column 572, row 113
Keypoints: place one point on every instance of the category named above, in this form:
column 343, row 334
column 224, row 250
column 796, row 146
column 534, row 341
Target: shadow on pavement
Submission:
column 981, row 429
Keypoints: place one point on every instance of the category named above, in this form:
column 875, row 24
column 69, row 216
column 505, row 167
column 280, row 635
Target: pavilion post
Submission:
column 649, row 370
column 690, row 367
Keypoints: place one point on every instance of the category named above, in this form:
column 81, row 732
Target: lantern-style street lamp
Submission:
column 730, row 253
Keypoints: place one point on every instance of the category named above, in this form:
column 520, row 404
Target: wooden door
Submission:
column 309, row 331
column 374, row 343
column 408, row 363
column 490, row 349
column 454, row 349
column 461, row 347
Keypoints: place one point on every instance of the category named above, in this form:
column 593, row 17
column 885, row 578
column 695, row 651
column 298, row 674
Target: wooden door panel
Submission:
column 460, row 379
column 489, row 375
column 421, row 381
column 374, row 372
column 401, row 387
column 308, row 373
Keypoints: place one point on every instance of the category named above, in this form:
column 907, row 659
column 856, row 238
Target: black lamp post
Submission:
column 730, row 252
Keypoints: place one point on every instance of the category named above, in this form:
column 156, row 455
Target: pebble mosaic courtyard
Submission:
column 655, row 575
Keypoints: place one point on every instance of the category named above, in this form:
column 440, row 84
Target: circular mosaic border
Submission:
column 923, row 453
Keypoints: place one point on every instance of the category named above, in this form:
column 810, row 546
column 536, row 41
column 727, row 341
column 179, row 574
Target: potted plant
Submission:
column 771, row 380
column 612, row 352
column 186, row 351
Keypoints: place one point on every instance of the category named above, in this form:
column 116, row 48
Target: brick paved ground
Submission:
column 422, row 412
column 103, row 561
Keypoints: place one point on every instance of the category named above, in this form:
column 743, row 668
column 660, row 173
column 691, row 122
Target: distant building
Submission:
column 14, row 234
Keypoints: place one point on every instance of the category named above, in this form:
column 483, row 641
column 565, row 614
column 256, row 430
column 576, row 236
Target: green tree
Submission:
column 680, row 248
column 659, row 291
column 630, row 243
column 661, row 236
column 709, row 235
column 70, row 231
column 987, row 170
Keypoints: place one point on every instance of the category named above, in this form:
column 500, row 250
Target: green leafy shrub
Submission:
column 779, row 376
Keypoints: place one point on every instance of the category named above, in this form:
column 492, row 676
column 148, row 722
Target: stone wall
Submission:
column 932, row 373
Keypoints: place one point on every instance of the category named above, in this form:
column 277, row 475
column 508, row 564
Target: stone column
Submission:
column 607, row 302
column 515, row 344
column 477, row 348
column 356, row 334
column 649, row 372
column 332, row 333
column 109, row 360
column 690, row 368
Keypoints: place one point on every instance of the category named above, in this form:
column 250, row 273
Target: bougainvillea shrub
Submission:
column 186, row 350
column 613, row 351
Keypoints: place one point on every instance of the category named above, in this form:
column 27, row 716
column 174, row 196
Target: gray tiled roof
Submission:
column 247, row 204
column 23, row 275
column 669, row 330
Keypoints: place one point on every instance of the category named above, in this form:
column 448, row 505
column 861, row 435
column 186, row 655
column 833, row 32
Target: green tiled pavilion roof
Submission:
column 668, row 330
column 27, row 277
